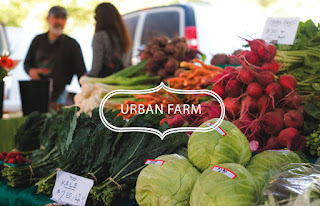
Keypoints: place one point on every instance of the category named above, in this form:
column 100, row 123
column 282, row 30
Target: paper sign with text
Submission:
column 281, row 30
column 71, row 189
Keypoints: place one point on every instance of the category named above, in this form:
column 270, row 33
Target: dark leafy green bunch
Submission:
column 85, row 147
column 307, row 35
column 27, row 136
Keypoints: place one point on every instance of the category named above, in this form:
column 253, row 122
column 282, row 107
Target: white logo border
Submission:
column 162, row 135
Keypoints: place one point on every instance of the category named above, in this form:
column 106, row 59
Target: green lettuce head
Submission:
column 168, row 184
column 263, row 165
column 206, row 149
column 235, row 187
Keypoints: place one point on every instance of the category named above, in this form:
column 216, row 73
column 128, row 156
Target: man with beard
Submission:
column 54, row 55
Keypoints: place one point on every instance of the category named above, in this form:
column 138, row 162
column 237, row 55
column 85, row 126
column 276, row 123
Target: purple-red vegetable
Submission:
column 246, row 75
column 250, row 57
column 265, row 78
column 281, row 111
column 288, row 83
column 292, row 100
column 234, row 88
column 272, row 66
column 264, row 104
column 272, row 123
column 232, row 107
column 274, row 91
column 255, row 90
column 290, row 138
column 294, row 119
column 273, row 143
column 256, row 44
column 219, row 89
column 248, row 104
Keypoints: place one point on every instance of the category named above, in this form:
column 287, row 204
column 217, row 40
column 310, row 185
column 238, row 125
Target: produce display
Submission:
column 267, row 111
column 216, row 188
column 262, row 165
column 224, row 59
column 313, row 142
column 258, row 155
column 11, row 171
column 27, row 137
column 94, row 89
column 160, row 60
column 168, row 184
column 163, row 56
column 112, row 157
column 302, row 60
column 210, row 148
column 13, row 158
column 191, row 76
column 288, row 189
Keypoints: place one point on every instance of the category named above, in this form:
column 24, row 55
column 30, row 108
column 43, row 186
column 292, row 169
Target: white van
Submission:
column 206, row 27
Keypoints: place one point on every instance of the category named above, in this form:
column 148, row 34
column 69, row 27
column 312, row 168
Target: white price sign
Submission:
column 281, row 30
column 71, row 189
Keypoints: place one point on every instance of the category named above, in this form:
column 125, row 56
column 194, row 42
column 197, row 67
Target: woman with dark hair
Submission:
column 111, row 42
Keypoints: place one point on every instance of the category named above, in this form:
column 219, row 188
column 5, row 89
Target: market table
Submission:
column 21, row 196
column 8, row 129
column 27, row 196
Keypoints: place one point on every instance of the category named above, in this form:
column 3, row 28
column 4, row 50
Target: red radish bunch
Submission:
column 261, row 56
column 265, row 110
column 13, row 158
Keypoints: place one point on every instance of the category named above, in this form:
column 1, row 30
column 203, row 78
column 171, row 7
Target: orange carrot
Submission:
column 211, row 67
column 189, row 65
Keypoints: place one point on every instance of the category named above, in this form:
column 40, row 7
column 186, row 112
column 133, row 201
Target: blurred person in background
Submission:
column 111, row 42
column 54, row 55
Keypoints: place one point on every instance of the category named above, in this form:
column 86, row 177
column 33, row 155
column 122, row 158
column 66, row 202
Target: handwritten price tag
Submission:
column 71, row 189
column 282, row 30
column 224, row 171
column 154, row 162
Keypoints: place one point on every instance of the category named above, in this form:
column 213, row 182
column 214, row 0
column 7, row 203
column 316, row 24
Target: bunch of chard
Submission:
column 267, row 111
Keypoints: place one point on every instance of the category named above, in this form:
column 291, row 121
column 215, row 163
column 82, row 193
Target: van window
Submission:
column 131, row 24
column 160, row 23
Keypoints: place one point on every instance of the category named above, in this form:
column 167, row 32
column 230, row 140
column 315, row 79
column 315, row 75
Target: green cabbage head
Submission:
column 169, row 184
column 263, row 164
column 206, row 149
column 215, row 189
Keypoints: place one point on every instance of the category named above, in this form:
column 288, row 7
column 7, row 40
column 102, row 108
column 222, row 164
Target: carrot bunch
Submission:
column 160, row 98
column 197, row 77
